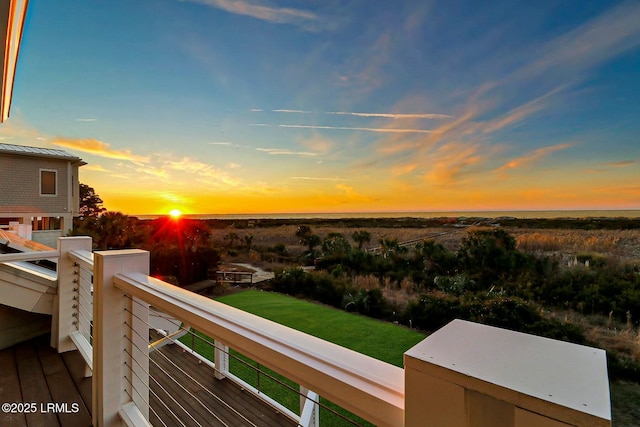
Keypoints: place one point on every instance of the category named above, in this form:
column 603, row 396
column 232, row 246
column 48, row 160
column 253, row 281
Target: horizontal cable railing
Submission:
column 371, row 389
column 82, row 306
column 189, row 385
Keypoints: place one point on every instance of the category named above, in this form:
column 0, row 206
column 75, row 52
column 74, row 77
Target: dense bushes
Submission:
column 487, row 259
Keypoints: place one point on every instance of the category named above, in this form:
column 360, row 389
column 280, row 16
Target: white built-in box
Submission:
column 472, row 375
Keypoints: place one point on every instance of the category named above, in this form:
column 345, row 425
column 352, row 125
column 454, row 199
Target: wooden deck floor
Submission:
column 213, row 411
column 34, row 372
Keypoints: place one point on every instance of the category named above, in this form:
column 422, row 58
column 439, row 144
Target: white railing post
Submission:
column 467, row 374
column 62, row 322
column 116, row 317
column 221, row 358
column 309, row 408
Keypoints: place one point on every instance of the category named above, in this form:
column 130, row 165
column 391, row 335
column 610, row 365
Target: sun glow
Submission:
column 175, row 213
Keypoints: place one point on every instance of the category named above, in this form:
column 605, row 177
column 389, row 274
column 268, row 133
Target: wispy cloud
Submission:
column 396, row 116
column 600, row 39
column 86, row 120
column 205, row 172
column 257, row 110
column 99, row 148
column 153, row 171
column 275, row 15
column 621, row 163
column 519, row 113
column 451, row 160
column 351, row 194
column 292, row 111
column 316, row 178
column 393, row 115
column 285, row 152
column 532, row 157
column 364, row 129
column 403, row 169
column 95, row 168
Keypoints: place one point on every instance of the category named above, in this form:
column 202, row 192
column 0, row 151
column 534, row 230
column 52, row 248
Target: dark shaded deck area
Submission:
column 33, row 372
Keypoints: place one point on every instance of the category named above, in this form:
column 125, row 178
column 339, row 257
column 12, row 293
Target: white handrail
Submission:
column 371, row 389
column 29, row 256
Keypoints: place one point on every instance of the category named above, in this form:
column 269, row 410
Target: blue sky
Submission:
column 221, row 106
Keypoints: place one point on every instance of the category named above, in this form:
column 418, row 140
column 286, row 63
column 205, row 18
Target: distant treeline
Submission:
column 408, row 222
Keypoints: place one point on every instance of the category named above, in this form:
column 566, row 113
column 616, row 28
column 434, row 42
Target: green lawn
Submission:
column 382, row 340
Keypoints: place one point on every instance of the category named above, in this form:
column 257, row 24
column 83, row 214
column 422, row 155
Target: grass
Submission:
column 625, row 404
column 381, row 340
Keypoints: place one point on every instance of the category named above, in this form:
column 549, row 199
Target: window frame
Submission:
column 55, row 183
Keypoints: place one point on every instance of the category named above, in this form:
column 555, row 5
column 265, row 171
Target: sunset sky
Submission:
column 268, row 106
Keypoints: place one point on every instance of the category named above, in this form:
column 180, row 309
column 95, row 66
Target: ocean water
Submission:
column 439, row 214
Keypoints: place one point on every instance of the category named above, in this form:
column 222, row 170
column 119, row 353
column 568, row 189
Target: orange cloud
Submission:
column 450, row 160
column 99, row 148
column 532, row 157
column 622, row 163
column 403, row 169
column 351, row 194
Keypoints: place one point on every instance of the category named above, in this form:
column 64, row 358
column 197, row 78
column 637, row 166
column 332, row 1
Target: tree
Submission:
column 232, row 237
column 307, row 238
column 361, row 237
column 113, row 230
column 90, row 202
column 248, row 241
column 336, row 245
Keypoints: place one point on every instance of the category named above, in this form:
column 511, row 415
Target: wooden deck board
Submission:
column 62, row 387
column 34, row 372
column 10, row 388
column 34, row 385
column 76, row 365
column 255, row 410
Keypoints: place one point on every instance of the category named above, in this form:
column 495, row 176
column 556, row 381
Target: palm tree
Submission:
column 113, row 233
column 232, row 237
column 361, row 237
column 248, row 241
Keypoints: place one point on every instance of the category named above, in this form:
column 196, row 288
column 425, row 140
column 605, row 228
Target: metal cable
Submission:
column 271, row 377
column 159, row 400
column 168, row 375
column 161, row 387
column 206, row 389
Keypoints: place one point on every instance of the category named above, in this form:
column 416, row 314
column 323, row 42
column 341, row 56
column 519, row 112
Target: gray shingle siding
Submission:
column 20, row 185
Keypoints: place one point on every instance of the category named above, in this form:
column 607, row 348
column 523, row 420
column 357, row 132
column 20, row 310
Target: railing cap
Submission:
column 519, row 367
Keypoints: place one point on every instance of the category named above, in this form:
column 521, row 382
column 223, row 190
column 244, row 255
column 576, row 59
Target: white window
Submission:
column 48, row 182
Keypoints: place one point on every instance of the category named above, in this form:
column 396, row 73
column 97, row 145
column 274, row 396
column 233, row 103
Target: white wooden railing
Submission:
column 464, row 374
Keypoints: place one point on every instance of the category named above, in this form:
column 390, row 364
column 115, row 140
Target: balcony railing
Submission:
column 465, row 374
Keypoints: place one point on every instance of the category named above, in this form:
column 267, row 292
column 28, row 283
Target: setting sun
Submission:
column 175, row 213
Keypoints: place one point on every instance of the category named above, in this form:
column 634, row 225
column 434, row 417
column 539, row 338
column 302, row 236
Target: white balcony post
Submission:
column 221, row 357
column 472, row 375
column 309, row 408
column 63, row 320
column 114, row 356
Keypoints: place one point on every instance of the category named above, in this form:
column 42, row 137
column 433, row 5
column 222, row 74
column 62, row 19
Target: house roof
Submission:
column 39, row 152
